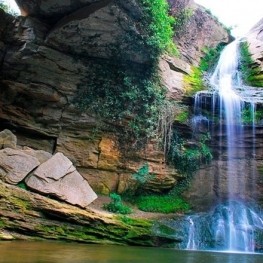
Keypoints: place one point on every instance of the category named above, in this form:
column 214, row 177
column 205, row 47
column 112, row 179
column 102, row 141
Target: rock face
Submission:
column 46, row 55
column 58, row 177
column 199, row 30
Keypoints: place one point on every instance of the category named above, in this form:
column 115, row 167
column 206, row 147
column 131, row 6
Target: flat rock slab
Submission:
column 15, row 165
column 58, row 177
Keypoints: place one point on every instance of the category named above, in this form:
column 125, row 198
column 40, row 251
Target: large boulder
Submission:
column 7, row 139
column 58, row 177
column 15, row 165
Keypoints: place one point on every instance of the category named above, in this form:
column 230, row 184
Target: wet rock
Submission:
column 58, row 177
column 15, row 165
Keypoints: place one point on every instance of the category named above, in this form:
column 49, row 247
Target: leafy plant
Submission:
column 143, row 175
column 187, row 159
column 157, row 25
column 116, row 205
column 182, row 116
column 125, row 94
column 195, row 81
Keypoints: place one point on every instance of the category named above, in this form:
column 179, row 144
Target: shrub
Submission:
column 125, row 94
column 210, row 58
column 143, row 175
column 116, row 205
column 158, row 27
column 188, row 159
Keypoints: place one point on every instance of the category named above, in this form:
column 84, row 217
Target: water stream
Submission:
column 233, row 225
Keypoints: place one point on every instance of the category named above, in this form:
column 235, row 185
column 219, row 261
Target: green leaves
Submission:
column 143, row 175
column 122, row 93
column 158, row 27
column 116, row 205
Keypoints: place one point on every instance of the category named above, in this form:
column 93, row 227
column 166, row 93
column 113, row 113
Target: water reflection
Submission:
column 53, row 252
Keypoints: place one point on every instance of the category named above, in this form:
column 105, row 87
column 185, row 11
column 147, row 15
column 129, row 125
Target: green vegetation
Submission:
column 251, row 74
column 183, row 115
column 143, row 175
column 157, row 27
column 194, row 82
column 186, row 158
column 116, row 205
column 210, row 58
column 128, row 94
column 247, row 116
column 162, row 204
column 22, row 185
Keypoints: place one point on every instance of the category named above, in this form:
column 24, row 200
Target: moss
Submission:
column 162, row 204
column 135, row 221
column 182, row 116
column 2, row 223
column 251, row 74
column 19, row 203
column 38, row 218
column 194, row 82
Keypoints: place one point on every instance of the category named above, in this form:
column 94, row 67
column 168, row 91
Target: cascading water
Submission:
column 232, row 225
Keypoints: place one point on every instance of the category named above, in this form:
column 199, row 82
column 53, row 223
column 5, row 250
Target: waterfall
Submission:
column 191, row 243
column 232, row 224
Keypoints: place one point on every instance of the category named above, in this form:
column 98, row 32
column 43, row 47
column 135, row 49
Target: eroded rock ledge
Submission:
column 25, row 215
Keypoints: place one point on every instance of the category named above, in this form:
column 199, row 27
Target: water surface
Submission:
column 53, row 252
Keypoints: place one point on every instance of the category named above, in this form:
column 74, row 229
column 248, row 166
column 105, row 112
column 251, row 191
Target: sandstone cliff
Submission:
column 197, row 30
column 50, row 51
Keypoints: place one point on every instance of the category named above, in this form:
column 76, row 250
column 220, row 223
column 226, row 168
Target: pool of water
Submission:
column 37, row 252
